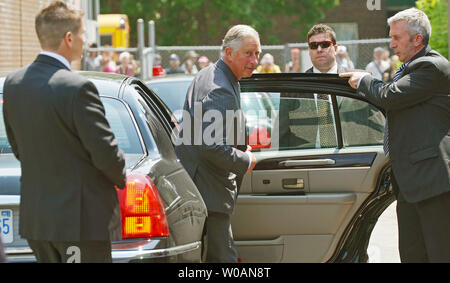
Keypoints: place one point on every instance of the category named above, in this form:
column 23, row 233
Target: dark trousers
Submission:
column 71, row 252
column 220, row 246
column 424, row 229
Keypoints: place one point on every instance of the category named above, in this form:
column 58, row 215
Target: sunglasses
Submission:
column 323, row 44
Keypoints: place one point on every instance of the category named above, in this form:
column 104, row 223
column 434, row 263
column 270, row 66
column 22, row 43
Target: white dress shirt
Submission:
column 333, row 70
column 57, row 57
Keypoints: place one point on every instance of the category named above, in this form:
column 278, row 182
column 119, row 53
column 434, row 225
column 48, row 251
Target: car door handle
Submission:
column 295, row 163
column 296, row 184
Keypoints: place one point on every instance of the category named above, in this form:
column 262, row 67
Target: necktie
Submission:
column 386, row 147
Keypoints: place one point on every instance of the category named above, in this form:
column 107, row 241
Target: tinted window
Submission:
column 362, row 123
column 292, row 122
column 122, row 125
column 306, row 121
column 173, row 93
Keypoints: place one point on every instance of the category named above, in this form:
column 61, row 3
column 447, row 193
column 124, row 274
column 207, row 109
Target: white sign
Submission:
column 374, row 5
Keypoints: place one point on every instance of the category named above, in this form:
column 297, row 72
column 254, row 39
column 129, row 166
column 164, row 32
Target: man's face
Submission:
column 174, row 64
column 322, row 58
column 245, row 60
column 402, row 43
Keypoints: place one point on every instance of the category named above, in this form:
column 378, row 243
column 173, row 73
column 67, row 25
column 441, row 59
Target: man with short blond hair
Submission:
column 56, row 125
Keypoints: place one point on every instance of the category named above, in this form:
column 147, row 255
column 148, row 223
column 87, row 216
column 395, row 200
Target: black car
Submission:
column 321, row 179
column 318, row 187
column 163, row 214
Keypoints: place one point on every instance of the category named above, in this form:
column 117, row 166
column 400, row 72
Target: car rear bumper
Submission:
column 150, row 251
column 122, row 252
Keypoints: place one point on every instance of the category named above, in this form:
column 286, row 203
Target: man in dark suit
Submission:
column 322, row 52
column 217, row 162
column 361, row 122
column 417, row 137
column 70, row 160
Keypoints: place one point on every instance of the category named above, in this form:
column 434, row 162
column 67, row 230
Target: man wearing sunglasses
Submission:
column 322, row 50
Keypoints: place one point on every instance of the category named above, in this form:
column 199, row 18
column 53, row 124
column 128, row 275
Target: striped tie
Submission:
column 386, row 146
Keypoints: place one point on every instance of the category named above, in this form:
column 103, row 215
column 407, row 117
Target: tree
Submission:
column 204, row 22
column 436, row 11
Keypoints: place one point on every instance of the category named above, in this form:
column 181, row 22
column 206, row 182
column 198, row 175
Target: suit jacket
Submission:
column 418, row 114
column 70, row 160
column 216, row 168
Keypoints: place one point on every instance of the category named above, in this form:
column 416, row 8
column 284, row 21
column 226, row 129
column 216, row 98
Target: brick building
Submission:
column 352, row 19
column 19, row 44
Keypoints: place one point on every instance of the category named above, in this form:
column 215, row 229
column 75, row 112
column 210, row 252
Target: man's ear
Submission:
column 68, row 39
column 229, row 53
column 418, row 39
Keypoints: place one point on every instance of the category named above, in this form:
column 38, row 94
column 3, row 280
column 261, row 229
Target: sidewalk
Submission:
column 383, row 244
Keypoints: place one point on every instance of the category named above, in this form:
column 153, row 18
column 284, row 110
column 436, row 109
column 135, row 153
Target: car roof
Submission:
column 171, row 78
column 107, row 84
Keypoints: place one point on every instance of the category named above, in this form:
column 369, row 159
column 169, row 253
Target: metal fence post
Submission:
column 141, row 46
column 151, row 44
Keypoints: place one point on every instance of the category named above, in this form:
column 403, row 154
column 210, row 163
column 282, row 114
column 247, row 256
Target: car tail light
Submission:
column 142, row 211
column 259, row 137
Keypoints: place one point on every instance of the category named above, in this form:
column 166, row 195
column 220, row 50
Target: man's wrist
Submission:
column 359, row 82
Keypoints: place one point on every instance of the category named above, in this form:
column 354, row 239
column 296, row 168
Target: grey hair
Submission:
column 235, row 36
column 418, row 22
column 124, row 55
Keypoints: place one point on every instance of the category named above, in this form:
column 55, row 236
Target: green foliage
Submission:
column 204, row 22
column 437, row 12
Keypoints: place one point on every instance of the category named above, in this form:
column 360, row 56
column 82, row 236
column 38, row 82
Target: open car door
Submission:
column 321, row 179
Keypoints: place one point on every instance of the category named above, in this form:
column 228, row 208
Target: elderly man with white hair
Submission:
column 417, row 137
column 217, row 167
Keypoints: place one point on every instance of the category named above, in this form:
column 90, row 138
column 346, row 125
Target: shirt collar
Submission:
column 57, row 57
column 333, row 70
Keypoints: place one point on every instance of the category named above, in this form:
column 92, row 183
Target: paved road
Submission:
column 383, row 244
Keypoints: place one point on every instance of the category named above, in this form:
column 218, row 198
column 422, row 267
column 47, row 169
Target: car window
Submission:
column 362, row 123
column 307, row 121
column 122, row 125
column 173, row 93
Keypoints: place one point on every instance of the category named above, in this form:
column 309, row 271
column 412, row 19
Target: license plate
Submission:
column 6, row 225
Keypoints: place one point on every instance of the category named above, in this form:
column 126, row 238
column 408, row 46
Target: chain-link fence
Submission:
column 359, row 51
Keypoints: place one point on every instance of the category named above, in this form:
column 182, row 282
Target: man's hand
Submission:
column 354, row 78
column 252, row 158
